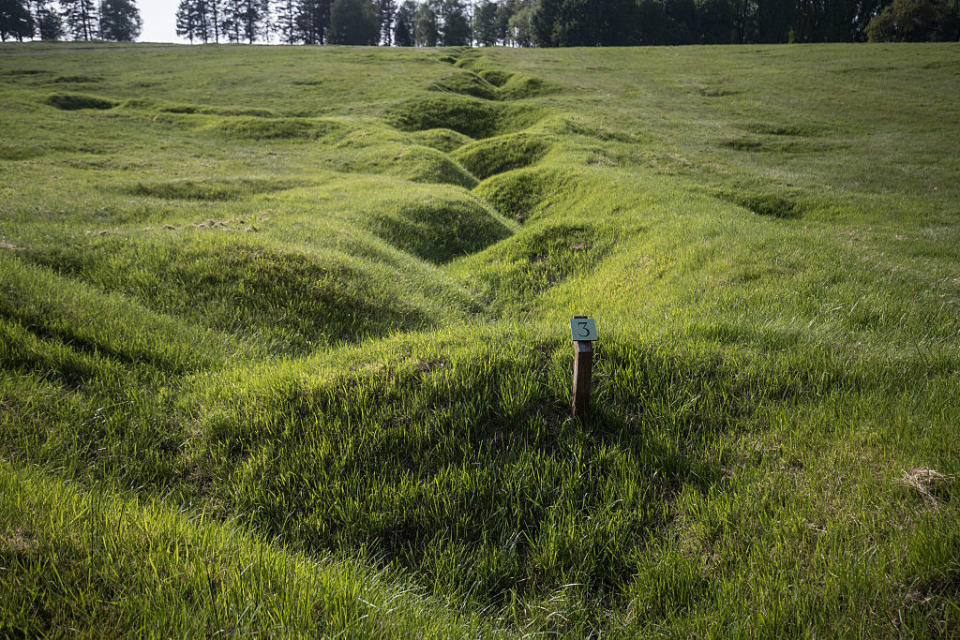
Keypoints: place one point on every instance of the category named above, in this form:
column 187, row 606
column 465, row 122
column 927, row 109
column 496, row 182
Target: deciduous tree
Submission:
column 915, row 21
column 119, row 20
column 426, row 25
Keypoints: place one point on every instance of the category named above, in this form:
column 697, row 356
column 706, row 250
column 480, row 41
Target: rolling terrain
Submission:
column 284, row 344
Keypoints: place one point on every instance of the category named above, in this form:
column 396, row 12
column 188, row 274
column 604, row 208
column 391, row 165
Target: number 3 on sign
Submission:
column 583, row 329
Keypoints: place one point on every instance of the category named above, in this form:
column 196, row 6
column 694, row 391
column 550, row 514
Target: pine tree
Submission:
column 403, row 24
column 313, row 21
column 15, row 20
column 119, row 20
column 47, row 21
column 212, row 11
column 387, row 9
column 287, row 27
column 185, row 20
column 245, row 19
column 81, row 18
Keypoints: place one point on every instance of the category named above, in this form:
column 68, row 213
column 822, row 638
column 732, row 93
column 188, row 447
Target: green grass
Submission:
column 284, row 344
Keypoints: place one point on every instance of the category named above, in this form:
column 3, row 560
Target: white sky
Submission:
column 159, row 20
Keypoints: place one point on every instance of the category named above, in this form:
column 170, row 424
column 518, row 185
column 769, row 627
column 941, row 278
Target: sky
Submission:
column 159, row 20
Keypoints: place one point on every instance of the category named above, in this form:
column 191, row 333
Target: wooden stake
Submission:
column 582, row 376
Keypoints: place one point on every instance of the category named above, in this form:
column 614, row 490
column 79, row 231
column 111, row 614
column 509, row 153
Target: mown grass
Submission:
column 283, row 344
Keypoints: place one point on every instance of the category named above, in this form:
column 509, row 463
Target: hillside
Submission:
column 284, row 344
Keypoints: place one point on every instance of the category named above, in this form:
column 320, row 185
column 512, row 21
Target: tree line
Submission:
column 114, row 20
column 525, row 23
column 564, row 23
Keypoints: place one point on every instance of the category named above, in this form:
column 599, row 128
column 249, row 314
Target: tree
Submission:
column 187, row 24
column 773, row 21
column 354, row 22
column 48, row 22
column 254, row 18
column 387, row 10
column 403, row 24
column 15, row 20
column 715, row 22
column 286, row 25
column 486, row 27
column 119, row 20
column 426, row 25
column 455, row 27
column 313, row 21
column 520, row 27
column 914, row 21
column 81, row 18
column 542, row 22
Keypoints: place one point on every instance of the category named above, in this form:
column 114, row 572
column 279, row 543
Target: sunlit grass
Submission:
column 284, row 344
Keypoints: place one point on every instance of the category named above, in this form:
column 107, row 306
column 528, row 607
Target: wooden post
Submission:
column 583, row 330
column 582, row 374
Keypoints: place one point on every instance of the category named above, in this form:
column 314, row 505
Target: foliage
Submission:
column 119, row 20
column 49, row 23
column 915, row 21
column 15, row 20
column 354, row 22
column 404, row 24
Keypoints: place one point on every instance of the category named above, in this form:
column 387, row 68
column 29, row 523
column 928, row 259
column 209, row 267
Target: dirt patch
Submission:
column 929, row 483
column 18, row 541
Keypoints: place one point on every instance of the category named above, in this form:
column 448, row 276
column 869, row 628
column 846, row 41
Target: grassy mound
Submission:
column 496, row 77
column 77, row 101
column 516, row 194
column 799, row 130
column 503, row 153
column 439, row 227
column 261, row 376
column 257, row 128
column 777, row 145
column 77, row 79
column 210, row 189
column 520, row 85
column 413, row 162
column 765, row 204
column 18, row 152
column 283, row 300
column 469, row 116
column 466, row 83
column 515, row 272
column 143, row 566
column 445, row 140
column 58, row 326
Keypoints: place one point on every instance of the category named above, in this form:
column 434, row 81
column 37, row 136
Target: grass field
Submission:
column 284, row 344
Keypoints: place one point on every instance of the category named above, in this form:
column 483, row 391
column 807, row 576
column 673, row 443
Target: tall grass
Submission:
column 290, row 356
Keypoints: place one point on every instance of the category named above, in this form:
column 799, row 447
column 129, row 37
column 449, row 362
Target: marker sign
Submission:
column 583, row 329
